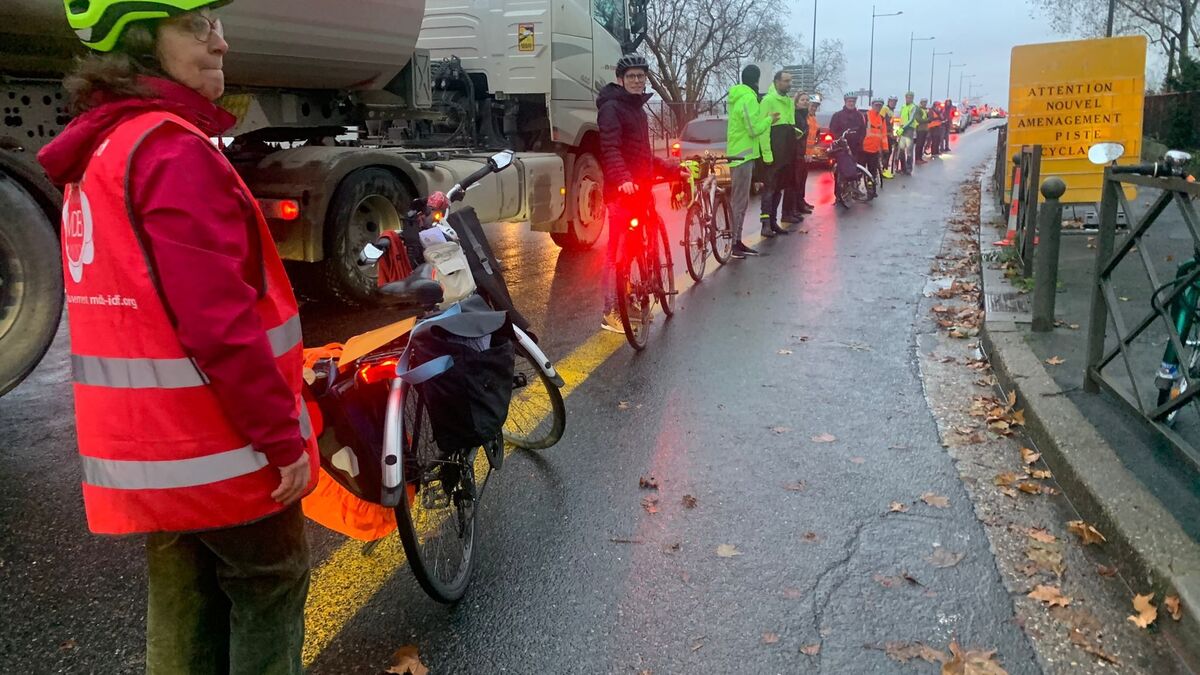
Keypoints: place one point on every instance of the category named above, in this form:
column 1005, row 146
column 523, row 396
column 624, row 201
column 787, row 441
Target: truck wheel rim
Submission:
column 11, row 287
column 373, row 215
column 590, row 209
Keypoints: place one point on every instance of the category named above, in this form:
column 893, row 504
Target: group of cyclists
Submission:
column 770, row 138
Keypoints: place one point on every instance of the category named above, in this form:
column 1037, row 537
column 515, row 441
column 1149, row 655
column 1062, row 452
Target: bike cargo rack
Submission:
column 1106, row 307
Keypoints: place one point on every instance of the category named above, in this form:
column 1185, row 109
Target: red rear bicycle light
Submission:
column 676, row 149
column 828, row 138
column 437, row 216
column 379, row 371
column 633, row 222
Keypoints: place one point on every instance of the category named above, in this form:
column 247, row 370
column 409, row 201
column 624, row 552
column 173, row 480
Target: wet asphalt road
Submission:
column 712, row 409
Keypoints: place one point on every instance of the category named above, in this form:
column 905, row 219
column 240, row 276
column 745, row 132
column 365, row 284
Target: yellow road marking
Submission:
column 347, row 580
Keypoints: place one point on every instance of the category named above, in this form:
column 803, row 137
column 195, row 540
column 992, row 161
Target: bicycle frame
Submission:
column 1183, row 309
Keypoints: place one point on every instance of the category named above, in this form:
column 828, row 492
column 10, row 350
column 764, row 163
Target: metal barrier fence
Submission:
column 1173, row 305
column 1028, row 170
column 998, row 174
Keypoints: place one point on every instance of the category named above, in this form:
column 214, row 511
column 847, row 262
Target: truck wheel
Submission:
column 368, row 202
column 31, row 284
column 585, row 206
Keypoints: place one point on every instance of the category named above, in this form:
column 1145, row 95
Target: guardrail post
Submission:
column 1049, row 233
column 1098, row 316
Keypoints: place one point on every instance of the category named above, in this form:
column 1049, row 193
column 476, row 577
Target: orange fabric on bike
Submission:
column 876, row 140
column 394, row 265
column 335, row 507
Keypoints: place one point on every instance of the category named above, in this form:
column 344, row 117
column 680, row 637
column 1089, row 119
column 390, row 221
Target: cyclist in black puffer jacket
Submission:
column 629, row 165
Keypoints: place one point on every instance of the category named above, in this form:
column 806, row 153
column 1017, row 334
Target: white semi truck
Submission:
column 347, row 110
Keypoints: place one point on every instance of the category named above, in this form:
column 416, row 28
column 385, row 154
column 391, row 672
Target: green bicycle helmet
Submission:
column 100, row 23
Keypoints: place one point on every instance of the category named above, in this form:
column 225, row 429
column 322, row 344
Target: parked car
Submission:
column 703, row 135
column 821, row 156
column 997, row 113
column 961, row 121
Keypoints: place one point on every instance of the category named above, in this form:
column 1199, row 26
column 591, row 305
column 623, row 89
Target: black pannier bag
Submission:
column 462, row 364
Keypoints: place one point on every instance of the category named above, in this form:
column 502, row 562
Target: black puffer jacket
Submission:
column 625, row 152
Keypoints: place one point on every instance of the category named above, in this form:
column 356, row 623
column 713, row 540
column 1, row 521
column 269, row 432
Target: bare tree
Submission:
column 830, row 69
column 696, row 48
column 1170, row 25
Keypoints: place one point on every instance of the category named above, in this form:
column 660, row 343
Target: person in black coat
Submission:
column 794, row 207
column 628, row 163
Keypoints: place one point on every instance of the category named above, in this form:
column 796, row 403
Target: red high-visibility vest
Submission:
column 158, row 452
column 876, row 139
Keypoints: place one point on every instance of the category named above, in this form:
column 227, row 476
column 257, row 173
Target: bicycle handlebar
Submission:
column 1153, row 169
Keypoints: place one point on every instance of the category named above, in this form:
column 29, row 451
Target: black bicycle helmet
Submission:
column 631, row 61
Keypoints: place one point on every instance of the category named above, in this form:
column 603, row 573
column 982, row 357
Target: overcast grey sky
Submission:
column 981, row 35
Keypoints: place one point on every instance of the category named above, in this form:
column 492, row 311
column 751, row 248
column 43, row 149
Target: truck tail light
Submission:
column 280, row 209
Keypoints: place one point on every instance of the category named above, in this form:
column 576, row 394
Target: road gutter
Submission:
column 1153, row 551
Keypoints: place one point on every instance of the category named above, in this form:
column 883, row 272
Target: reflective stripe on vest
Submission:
column 141, row 373
column 119, row 474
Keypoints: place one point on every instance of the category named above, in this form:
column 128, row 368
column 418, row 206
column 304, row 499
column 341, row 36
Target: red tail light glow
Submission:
column 280, row 209
column 379, row 371
column 828, row 138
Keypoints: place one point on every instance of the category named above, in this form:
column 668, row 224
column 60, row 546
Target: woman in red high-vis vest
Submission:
column 185, row 343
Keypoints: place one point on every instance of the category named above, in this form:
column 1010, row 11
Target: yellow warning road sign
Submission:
column 1067, row 96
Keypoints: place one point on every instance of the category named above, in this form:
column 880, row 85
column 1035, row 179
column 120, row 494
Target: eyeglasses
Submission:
column 636, row 78
column 201, row 26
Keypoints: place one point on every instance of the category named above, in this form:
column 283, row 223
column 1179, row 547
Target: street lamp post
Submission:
column 961, row 77
column 949, row 67
column 933, row 61
column 871, row 70
column 814, row 45
column 911, row 40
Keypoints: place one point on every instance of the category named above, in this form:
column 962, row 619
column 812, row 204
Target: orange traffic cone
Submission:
column 1014, row 205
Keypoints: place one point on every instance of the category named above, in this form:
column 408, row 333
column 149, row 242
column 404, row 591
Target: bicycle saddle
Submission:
column 421, row 288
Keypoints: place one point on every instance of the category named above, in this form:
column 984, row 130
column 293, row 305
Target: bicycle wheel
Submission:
column 537, row 416
column 721, row 230
column 665, row 287
column 695, row 243
column 437, row 517
column 633, row 301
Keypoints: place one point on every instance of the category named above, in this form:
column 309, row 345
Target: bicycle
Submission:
column 645, row 271
column 1178, row 300
column 388, row 444
column 708, row 222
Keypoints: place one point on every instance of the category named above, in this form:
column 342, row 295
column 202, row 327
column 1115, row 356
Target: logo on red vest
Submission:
column 77, row 232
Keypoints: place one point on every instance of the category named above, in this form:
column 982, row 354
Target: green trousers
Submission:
column 228, row 601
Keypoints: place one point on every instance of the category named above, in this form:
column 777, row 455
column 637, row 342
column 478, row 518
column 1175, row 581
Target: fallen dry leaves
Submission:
column 1106, row 571
column 784, row 352
column 1147, row 613
column 781, row 430
column 897, row 507
column 1087, row 533
column 824, row 438
column 1045, row 557
column 972, row 662
column 1051, row 595
column 770, row 638
column 648, row 483
column 1029, row 456
column 727, row 551
column 795, row 486
column 407, row 661
column 1055, row 361
column 650, row 504
column 935, row 500
column 688, row 501
column 1042, row 535
column 811, row 650
column 907, row 651
column 1084, row 630
column 1173, row 606
column 1005, row 479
